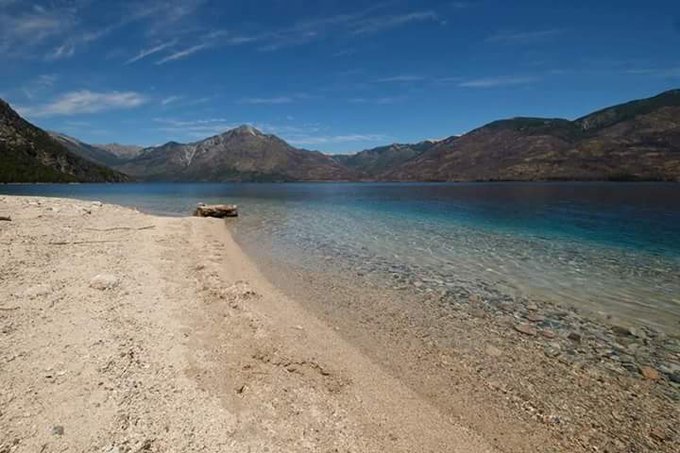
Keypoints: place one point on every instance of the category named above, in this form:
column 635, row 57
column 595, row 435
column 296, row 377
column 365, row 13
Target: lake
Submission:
column 612, row 248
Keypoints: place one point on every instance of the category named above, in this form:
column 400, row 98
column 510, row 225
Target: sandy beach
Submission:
column 126, row 332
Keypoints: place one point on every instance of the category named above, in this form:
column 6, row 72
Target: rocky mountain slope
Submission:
column 632, row 141
column 123, row 152
column 373, row 163
column 29, row 154
column 241, row 154
column 93, row 153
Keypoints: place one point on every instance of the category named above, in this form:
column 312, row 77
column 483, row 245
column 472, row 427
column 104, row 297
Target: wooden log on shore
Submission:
column 5, row 218
column 216, row 210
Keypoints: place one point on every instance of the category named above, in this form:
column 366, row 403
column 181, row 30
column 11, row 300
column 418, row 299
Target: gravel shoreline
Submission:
column 596, row 385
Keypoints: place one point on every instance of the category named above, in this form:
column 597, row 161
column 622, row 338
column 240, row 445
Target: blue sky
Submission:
column 336, row 76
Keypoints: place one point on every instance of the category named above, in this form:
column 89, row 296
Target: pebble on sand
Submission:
column 547, row 333
column 658, row 434
column 526, row 329
column 533, row 317
column 493, row 351
column 649, row 373
column 104, row 281
column 574, row 336
column 36, row 291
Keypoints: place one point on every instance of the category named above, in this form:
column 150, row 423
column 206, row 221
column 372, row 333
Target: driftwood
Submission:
column 5, row 218
column 216, row 210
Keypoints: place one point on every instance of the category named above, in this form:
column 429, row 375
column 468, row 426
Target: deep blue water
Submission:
column 611, row 247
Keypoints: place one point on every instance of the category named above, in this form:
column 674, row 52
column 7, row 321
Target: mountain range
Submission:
column 638, row 140
column 240, row 154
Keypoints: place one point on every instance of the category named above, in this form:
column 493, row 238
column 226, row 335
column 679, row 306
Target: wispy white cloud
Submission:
column 188, row 123
column 174, row 29
column 151, row 50
column 284, row 99
column 523, row 37
column 195, row 128
column 65, row 50
column 85, row 101
column 272, row 100
column 666, row 73
column 39, row 85
column 377, row 24
column 402, row 78
column 501, row 81
column 58, row 29
column 171, row 100
column 368, row 21
column 23, row 31
column 207, row 40
column 167, row 17
column 316, row 140
column 183, row 53
column 383, row 100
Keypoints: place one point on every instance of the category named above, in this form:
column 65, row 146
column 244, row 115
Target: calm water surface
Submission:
column 607, row 247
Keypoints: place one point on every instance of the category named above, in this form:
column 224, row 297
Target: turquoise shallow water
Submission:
column 607, row 247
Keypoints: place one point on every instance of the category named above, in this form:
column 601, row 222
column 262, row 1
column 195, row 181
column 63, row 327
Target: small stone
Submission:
column 114, row 449
column 145, row 445
column 551, row 351
column 649, row 373
column 547, row 333
column 493, row 351
column 532, row 307
column 535, row 318
column 104, row 281
column 622, row 331
column 629, row 365
column 633, row 347
column 658, row 434
column 526, row 329
column 573, row 336
column 637, row 333
column 58, row 430
column 37, row 291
